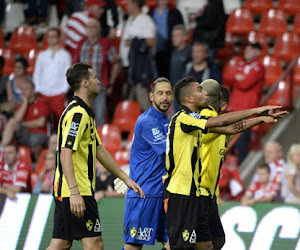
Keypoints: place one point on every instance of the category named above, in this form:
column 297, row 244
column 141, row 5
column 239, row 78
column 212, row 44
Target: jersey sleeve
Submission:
column 154, row 135
column 75, row 125
column 98, row 140
column 193, row 121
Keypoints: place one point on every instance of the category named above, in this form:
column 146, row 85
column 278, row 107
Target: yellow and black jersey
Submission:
column 183, row 153
column 77, row 131
column 214, row 147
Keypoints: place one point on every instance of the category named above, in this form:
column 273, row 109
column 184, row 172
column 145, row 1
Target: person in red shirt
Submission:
column 28, row 126
column 246, row 83
column 14, row 174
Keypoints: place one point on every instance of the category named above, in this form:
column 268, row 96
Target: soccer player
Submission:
column 76, row 214
column 187, row 211
column 144, row 219
column 214, row 146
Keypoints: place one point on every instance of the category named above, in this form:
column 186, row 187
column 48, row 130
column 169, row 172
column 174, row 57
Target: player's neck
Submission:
column 84, row 98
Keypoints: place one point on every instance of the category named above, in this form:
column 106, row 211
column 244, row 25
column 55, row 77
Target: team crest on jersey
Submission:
column 155, row 131
column 222, row 151
column 185, row 235
column 133, row 232
column 89, row 225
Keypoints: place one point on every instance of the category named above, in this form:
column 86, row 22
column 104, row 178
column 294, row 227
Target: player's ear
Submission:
column 151, row 96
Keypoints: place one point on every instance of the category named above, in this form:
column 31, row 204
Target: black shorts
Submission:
column 187, row 220
column 215, row 224
column 69, row 227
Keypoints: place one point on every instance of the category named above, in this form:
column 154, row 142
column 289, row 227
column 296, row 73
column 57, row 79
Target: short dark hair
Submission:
column 139, row 3
column 56, row 30
column 225, row 94
column 264, row 166
column 181, row 88
column 160, row 79
column 14, row 145
column 23, row 61
column 76, row 73
column 180, row 27
column 203, row 44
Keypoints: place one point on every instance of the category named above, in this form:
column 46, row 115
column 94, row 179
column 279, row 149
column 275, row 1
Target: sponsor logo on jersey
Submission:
column 144, row 234
column 97, row 227
column 73, row 129
column 89, row 225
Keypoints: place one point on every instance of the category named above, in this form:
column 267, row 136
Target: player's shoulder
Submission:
column 208, row 111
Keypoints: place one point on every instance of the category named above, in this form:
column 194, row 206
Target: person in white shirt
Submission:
column 49, row 75
column 141, row 26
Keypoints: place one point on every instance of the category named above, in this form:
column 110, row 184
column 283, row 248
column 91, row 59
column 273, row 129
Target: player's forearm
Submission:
column 232, row 117
column 68, row 169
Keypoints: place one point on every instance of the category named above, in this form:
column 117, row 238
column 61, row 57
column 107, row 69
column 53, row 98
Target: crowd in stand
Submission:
column 152, row 44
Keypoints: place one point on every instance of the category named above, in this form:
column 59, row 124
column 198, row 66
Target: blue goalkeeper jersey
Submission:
column 147, row 158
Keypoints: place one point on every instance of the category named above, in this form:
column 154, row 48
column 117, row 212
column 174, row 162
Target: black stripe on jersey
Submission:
column 91, row 166
column 188, row 128
column 193, row 164
column 73, row 130
column 171, row 153
column 59, row 147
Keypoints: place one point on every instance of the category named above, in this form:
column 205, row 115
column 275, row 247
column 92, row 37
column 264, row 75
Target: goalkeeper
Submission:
column 144, row 219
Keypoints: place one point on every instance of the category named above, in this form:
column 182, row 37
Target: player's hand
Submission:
column 279, row 114
column 135, row 187
column 239, row 126
column 77, row 205
column 266, row 110
column 119, row 185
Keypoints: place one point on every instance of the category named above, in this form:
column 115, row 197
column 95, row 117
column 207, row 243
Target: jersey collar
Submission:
column 186, row 109
column 84, row 105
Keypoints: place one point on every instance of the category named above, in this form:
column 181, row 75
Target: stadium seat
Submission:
column 25, row 154
column 273, row 69
column 258, row 6
column 273, row 23
column 2, row 44
column 296, row 76
column 41, row 162
column 296, row 25
column 23, row 39
column 240, row 22
column 110, row 136
column 45, row 45
column 14, row 16
column 31, row 56
column 281, row 96
column 229, row 66
column 287, row 46
column 126, row 114
column 9, row 58
column 33, row 180
column 254, row 36
column 291, row 7
column 228, row 50
column 121, row 157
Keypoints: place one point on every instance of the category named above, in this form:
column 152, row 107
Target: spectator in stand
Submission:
column 29, row 123
column 102, row 56
column 104, row 183
column 246, row 81
column 201, row 68
column 52, row 144
column 290, row 189
column 73, row 6
column 181, row 55
column 37, row 13
column 45, row 179
column 135, row 50
column 75, row 30
column 105, row 29
column 263, row 190
column 165, row 17
column 49, row 75
column 14, row 85
column 210, row 26
column 14, row 174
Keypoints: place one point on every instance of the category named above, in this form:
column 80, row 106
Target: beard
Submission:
column 162, row 107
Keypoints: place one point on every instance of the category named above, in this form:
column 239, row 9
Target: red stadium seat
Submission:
column 229, row 66
column 292, row 7
column 31, row 56
column 122, row 4
column 121, row 158
column 110, row 136
column 258, row 6
column 296, row 25
column 126, row 114
column 25, row 154
column 41, row 162
column 240, row 22
column 281, row 96
column 296, row 76
column 23, row 39
column 287, row 46
column 273, row 23
column 273, row 69
column 9, row 58
column 2, row 44
column 228, row 50
column 254, row 36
